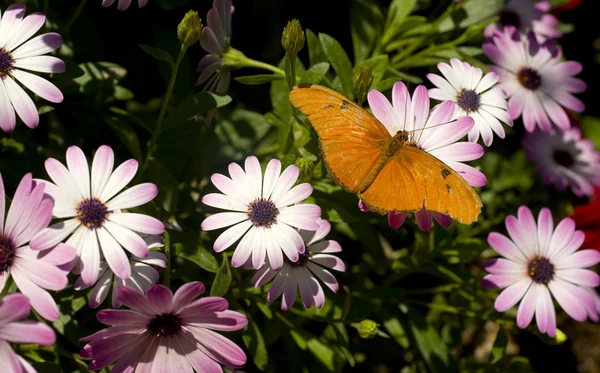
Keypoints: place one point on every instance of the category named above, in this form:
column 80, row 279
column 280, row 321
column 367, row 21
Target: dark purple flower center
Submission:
column 302, row 259
column 262, row 212
column 7, row 254
column 6, row 63
column 164, row 325
column 92, row 213
column 529, row 78
column 468, row 100
column 510, row 18
column 541, row 270
column 563, row 158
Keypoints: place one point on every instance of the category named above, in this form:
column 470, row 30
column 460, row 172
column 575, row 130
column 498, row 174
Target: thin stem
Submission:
column 75, row 15
column 248, row 62
column 167, row 277
column 163, row 108
column 7, row 286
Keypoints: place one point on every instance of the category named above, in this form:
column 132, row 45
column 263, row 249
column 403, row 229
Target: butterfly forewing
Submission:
column 350, row 137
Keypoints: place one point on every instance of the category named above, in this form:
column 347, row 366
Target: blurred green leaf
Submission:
column 157, row 53
column 366, row 27
column 127, row 135
column 199, row 103
column 254, row 342
column 379, row 65
column 258, row 79
column 591, row 129
column 340, row 62
column 45, row 109
column 198, row 255
column 434, row 351
column 315, row 51
column 499, row 347
column 397, row 13
column 315, row 73
column 168, row 187
column 222, row 279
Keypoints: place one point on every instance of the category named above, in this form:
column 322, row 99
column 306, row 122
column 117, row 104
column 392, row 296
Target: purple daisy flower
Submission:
column 18, row 53
column 34, row 272
column 526, row 16
column 305, row 273
column 540, row 262
column 166, row 333
column 564, row 159
column 13, row 309
column 91, row 207
column 263, row 213
column 124, row 4
column 435, row 133
column 538, row 84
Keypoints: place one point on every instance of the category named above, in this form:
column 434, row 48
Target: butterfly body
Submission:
column 388, row 172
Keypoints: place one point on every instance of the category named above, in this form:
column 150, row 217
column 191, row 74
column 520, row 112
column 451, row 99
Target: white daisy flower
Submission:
column 263, row 213
column 473, row 95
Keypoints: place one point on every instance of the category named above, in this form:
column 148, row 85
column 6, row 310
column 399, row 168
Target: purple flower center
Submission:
column 6, row 63
column 92, row 213
column 563, row 158
column 510, row 18
column 164, row 325
column 541, row 270
column 302, row 259
column 529, row 78
column 262, row 212
column 468, row 100
column 7, row 254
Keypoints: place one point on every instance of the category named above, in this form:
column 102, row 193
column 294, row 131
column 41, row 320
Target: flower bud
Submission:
column 367, row 329
column 305, row 166
column 361, row 81
column 189, row 30
column 292, row 39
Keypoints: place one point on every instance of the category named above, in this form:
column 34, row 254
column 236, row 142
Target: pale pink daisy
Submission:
column 539, row 262
column 435, row 133
column 305, row 273
column 474, row 95
column 166, row 333
column 14, row 308
column 124, row 4
column 263, row 213
column 34, row 272
column 91, row 209
column 526, row 16
column 593, row 313
column 18, row 53
column 564, row 159
column 536, row 81
column 143, row 275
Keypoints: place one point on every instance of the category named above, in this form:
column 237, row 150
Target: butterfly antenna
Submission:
column 430, row 127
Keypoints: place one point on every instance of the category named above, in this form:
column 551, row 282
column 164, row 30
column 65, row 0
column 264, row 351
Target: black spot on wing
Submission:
column 448, row 188
column 328, row 106
column 445, row 173
column 345, row 105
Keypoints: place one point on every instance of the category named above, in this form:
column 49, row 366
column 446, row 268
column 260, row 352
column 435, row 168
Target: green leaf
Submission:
column 315, row 74
column 499, row 346
column 157, row 53
column 45, row 109
column 396, row 331
column 222, row 279
column 366, row 21
column 127, row 135
column 315, row 51
column 202, row 257
column 168, row 187
column 199, row 103
column 122, row 94
column 285, row 135
column 255, row 343
column 340, row 62
column 322, row 352
column 397, row 13
column 591, row 129
column 258, row 79
column 379, row 65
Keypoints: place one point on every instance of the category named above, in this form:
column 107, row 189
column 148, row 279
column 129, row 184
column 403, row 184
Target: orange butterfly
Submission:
column 385, row 171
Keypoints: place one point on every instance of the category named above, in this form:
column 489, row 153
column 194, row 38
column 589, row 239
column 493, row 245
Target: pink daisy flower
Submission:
column 593, row 313
column 538, row 262
column 526, row 16
column 305, row 273
column 263, row 213
column 17, row 54
column 436, row 133
column 14, row 308
column 34, row 272
column 91, row 209
column 166, row 333
column 474, row 95
column 143, row 275
column 537, row 83
column 564, row 159
column 124, row 4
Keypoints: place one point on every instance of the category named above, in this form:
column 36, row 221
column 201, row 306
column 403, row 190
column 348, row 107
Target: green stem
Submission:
column 7, row 286
column 75, row 15
column 167, row 276
column 248, row 62
column 165, row 103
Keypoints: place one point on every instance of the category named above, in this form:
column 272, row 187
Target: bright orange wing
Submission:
column 350, row 137
column 413, row 179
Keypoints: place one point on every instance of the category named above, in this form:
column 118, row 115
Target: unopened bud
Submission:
column 305, row 166
column 367, row 329
column 292, row 39
column 361, row 81
column 189, row 30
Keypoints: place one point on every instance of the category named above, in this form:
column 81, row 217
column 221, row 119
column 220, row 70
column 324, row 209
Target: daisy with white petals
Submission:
column 263, row 213
column 17, row 54
column 526, row 16
column 305, row 273
column 540, row 262
column 90, row 207
column 124, row 4
column 473, row 95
